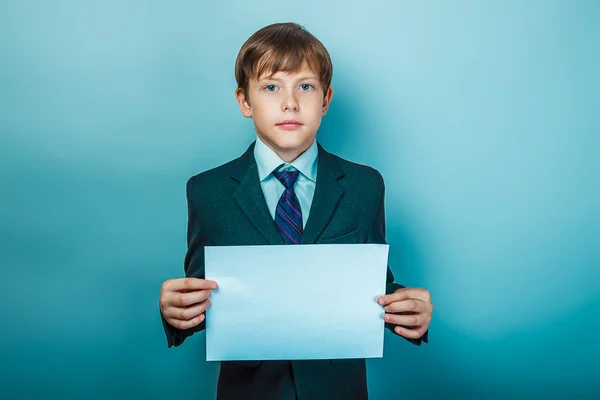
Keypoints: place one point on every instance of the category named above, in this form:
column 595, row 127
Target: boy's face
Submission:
column 286, row 109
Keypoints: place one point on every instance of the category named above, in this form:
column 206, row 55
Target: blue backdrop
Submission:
column 481, row 115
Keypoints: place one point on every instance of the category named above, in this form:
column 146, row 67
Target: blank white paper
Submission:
column 294, row 302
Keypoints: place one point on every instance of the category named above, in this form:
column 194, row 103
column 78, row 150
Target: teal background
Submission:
column 481, row 115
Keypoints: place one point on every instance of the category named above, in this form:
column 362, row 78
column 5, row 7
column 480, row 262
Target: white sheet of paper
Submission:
column 295, row 302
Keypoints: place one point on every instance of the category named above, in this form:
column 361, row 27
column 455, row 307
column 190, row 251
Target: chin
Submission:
column 293, row 143
column 296, row 146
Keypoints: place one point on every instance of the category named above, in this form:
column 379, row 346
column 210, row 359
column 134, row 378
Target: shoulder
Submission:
column 210, row 178
column 357, row 174
column 219, row 178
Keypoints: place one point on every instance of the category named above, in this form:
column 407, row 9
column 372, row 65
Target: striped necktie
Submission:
column 288, row 215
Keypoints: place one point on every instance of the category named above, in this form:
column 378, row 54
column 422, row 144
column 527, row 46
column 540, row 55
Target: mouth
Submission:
column 289, row 124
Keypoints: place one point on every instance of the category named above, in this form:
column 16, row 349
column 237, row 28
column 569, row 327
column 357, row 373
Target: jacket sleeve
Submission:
column 377, row 235
column 193, row 266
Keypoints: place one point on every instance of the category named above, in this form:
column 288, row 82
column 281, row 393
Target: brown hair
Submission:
column 282, row 47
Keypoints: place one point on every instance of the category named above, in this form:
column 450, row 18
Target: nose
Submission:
column 289, row 102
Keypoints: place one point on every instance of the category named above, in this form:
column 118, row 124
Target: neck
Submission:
column 286, row 155
column 289, row 156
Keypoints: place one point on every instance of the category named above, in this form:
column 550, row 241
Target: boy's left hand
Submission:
column 416, row 306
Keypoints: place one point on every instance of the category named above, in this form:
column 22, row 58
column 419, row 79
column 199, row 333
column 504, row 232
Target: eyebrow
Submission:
column 302, row 78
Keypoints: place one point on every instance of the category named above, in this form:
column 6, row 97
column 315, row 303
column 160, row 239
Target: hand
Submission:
column 415, row 307
column 183, row 301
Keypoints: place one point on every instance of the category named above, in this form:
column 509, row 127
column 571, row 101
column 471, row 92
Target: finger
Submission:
column 186, row 313
column 410, row 333
column 180, row 324
column 178, row 299
column 399, row 295
column 413, row 320
column 188, row 284
column 192, row 312
column 405, row 294
column 411, row 305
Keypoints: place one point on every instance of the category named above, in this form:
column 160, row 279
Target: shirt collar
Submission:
column 267, row 160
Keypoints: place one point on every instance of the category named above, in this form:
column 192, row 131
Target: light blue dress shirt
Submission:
column 267, row 160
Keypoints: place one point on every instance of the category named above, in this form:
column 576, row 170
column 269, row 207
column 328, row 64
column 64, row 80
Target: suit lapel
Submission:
column 250, row 197
column 328, row 193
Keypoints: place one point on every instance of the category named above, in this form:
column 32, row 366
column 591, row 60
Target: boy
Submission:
column 285, row 189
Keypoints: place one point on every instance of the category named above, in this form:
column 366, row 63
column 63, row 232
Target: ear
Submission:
column 243, row 103
column 327, row 100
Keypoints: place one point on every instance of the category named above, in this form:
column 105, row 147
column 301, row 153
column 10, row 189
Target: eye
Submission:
column 271, row 88
column 306, row 86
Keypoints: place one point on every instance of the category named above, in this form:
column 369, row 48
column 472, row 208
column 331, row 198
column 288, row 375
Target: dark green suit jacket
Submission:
column 226, row 207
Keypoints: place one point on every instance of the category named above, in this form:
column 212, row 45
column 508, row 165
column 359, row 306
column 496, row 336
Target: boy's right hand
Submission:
column 184, row 300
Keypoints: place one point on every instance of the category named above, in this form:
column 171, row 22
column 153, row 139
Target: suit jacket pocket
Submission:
column 344, row 238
